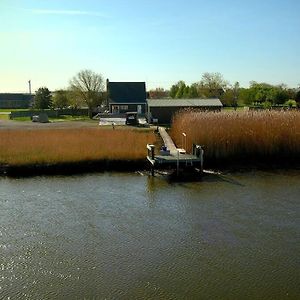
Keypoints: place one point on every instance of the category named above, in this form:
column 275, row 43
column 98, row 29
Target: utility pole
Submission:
column 29, row 84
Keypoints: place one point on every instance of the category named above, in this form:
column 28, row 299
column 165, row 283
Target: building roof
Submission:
column 16, row 96
column 126, row 92
column 184, row 102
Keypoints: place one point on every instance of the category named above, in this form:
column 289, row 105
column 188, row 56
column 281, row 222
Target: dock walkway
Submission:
column 174, row 158
column 167, row 141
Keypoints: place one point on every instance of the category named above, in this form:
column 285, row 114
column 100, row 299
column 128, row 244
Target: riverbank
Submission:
column 137, row 165
column 72, row 168
column 87, row 148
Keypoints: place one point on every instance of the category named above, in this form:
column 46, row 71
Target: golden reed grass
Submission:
column 23, row 147
column 240, row 135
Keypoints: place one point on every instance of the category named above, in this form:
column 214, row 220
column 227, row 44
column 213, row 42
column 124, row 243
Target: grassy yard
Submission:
column 64, row 118
column 241, row 135
column 4, row 116
column 25, row 147
column 13, row 109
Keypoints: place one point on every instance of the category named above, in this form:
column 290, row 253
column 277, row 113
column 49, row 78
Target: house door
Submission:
column 139, row 109
column 115, row 109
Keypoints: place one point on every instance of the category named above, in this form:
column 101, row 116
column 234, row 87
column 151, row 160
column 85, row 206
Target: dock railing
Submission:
column 151, row 149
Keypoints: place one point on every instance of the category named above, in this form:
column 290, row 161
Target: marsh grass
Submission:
column 241, row 135
column 52, row 146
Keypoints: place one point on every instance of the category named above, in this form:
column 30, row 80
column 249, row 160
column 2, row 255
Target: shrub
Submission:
column 291, row 103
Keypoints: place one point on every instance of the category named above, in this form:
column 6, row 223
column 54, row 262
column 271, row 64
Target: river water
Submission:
column 128, row 236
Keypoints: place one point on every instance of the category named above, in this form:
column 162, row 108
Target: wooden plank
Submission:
column 167, row 140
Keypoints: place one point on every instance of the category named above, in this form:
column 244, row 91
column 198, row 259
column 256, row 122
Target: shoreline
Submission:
column 85, row 167
column 72, row 168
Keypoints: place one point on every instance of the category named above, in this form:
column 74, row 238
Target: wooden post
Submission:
column 184, row 139
column 201, row 159
column 152, row 151
column 177, row 163
column 151, row 155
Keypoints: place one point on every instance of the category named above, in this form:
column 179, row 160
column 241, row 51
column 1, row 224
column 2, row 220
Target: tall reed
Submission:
column 240, row 135
column 22, row 147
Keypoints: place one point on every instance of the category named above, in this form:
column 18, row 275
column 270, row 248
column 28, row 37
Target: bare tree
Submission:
column 87, row 88
column 212, row 84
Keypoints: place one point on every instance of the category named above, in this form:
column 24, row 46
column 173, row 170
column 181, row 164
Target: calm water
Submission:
column 129, row 236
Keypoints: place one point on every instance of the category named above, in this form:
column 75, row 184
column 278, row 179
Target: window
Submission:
column 124, row 107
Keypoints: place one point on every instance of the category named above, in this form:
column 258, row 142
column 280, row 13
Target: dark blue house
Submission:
column 15, row 100
column 126, row 97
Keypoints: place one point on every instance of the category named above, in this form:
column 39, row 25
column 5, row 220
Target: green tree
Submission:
column 236, row 91
column 186, row 92
column 260, row 92
column 193, row 91
column 282, row 95
column 181, row 87
column 87, row 87
column 173, row 90
column 297, row 98
column 42, row 98
column 227, row 98
column 267, row 105
column 245, row 96
column 177, row 90
column 61, row 99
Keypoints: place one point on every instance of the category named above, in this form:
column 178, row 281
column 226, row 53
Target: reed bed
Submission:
column 226, row 136
column 52, row 146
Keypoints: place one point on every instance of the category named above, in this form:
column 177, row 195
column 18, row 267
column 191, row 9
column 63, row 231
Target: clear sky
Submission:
column 157, row 41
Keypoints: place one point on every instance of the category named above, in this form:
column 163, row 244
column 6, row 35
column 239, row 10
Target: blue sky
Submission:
column 159, row 42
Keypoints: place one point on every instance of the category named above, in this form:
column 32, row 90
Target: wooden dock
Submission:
column 172, row 157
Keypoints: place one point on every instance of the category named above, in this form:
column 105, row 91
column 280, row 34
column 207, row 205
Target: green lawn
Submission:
column 4, row 117
column 13, row 109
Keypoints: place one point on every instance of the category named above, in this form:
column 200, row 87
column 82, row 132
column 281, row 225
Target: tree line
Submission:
column 213, row 85
column 87, row 88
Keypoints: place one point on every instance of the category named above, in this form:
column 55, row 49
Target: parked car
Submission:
column 132, row 118
column 41, row 118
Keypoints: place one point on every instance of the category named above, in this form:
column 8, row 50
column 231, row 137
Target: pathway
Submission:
column 167, row 141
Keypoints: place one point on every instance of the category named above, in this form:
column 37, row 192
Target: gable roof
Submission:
column 215, row 102
column 126, row 92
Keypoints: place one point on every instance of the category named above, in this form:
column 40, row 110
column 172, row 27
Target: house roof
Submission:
column 126, row 92
column 184, row 102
